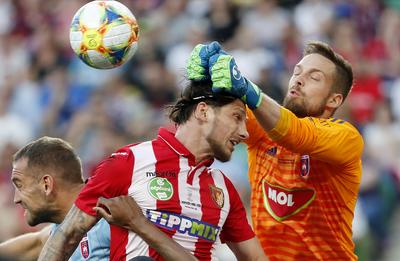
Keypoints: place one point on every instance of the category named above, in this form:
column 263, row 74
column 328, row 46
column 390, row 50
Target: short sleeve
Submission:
column 111, row 178
column 236, row 228
column 53, row 228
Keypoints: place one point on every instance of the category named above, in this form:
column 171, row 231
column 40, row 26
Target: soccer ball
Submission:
column 104, row 34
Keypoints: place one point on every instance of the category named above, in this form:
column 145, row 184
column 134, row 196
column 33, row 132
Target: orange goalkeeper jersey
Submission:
column 305, row 175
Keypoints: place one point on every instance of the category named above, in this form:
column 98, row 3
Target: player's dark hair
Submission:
column 53, row 154
column 195, row 92
column 343, row 80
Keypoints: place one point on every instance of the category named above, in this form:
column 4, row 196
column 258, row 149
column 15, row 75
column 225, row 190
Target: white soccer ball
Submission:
column 104, row 34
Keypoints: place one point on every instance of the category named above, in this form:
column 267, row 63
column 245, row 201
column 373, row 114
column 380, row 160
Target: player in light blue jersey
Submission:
column 47, row 176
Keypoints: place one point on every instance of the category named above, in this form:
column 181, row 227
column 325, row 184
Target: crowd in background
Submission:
column 46, row 90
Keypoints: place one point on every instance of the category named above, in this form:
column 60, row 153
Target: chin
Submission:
column 40, row 216
column 297, row 109
column 224, row 158
column 32, row 222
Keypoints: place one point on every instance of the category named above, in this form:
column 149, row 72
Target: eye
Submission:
column 315, row 77
column 18, row 185
column 237, row 117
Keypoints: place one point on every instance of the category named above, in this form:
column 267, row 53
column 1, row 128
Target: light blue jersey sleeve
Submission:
column 95, row 245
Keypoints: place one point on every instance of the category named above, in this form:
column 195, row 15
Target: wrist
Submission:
column 253, row 96
column 139, row 225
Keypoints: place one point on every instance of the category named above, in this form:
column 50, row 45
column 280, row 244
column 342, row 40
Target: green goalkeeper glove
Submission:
column 227, row 78
column 197, row 66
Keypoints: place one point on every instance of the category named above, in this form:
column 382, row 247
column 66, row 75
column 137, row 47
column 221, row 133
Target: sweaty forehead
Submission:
column 318, row 62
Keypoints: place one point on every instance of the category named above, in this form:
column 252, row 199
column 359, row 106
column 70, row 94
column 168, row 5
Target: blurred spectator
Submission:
column 224, row 19
column 177, row 56
column 14, row 129
column 267, row 14
column 252, row 58
column 313, row 19
column 382, row 138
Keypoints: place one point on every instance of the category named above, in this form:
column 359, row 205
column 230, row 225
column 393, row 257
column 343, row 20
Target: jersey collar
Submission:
column 168, row 138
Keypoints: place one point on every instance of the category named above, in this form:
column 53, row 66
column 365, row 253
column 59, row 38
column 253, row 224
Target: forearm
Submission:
column 65, row 239
column 165, row 246
column 25, row 247
column 268, row 113
column 249, row 250
column 60, row 245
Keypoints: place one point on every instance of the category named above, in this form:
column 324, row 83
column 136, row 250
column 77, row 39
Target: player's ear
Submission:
column 201, row 110
column 47, row 184
column 335, row 100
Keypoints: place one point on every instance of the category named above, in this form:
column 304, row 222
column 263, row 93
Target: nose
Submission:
column 299, row 80
column 243, row 133
column 17, row 198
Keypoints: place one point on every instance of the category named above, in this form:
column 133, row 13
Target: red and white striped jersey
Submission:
column 193, row 204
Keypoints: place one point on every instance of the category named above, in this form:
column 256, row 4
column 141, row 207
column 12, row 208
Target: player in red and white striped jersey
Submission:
column 170, row 180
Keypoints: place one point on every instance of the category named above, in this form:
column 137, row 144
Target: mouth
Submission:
column 294, row 93
column 24, row 209
column 233, row 142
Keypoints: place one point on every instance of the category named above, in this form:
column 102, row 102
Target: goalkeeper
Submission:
column 304, row 165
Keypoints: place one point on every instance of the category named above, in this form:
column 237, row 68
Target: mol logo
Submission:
column 282, row 198
column 182, row 224
column 282, row 203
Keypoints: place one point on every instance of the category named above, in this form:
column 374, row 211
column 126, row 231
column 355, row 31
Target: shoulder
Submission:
column 221, row 179
column 342, row 133
column 120, row 161
column 102, row 226
column 122, row 155
column 335, row 124
column 101, row 229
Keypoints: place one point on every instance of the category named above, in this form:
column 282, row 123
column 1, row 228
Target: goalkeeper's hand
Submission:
column 197, row 66
column 227, row 78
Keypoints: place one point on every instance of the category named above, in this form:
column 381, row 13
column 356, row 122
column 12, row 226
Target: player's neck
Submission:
column 192, row 138
column 65, row 200
column 326, row 114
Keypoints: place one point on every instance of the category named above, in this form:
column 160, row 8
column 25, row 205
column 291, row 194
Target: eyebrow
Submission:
column 311, row 70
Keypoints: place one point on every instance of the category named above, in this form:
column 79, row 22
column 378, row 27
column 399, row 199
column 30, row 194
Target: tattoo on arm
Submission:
column 65, row 239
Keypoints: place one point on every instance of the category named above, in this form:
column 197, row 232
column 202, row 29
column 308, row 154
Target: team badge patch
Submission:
column 84, row 245
column 304, row 165
column 272, row 151
column 160, row 188
column 282, row 203
column 217, row 195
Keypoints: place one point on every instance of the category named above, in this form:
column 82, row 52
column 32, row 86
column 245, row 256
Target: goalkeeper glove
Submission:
column 197, row 66
column 227, row 78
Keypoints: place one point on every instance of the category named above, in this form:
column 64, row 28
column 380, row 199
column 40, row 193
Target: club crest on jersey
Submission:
column 272, row 151
column 160, row 188
column 84, row 245
column 217, row 195
column 282, row 203
column 304, row 165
